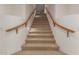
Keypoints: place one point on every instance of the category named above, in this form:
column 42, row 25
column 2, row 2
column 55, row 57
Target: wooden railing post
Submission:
column 53, row 23
column 16, row 30
column 25, row 24
column 67, row 33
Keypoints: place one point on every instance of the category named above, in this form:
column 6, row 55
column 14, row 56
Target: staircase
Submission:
column 40, row 40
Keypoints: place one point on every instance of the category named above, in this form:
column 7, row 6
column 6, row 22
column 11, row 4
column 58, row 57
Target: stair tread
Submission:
column 39, row 41
column 46, row 39
column 39, row 25
column 47, row 26
column 42, row 39
column 38, row 52
column 43, row 45
column 41, row 31
column 38, row 34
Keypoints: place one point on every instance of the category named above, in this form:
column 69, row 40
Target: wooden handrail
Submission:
column 65, row 28
column 55, row 23
column 23, row 24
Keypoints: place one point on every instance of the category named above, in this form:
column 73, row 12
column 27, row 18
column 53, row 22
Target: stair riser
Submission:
column 34, row 41
column 41, row 36
column 39, row 32
column 41, row 29
column 40, row 24
column 39, row 48
column 41, row 21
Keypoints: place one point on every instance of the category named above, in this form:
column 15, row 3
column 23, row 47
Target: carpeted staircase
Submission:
column 40, row 40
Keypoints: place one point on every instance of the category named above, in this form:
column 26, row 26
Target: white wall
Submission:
column 11, row 16
column 74, row 9
column 11, row 42
column 69, row 45
column 58, row 10
column 16, row 9
column 51, row 8
column 61, row 10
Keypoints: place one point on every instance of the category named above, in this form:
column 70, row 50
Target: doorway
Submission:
column 40, row 9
